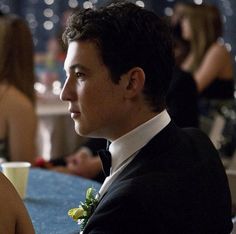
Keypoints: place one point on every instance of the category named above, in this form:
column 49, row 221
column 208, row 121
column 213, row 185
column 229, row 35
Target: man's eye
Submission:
column 79, row 75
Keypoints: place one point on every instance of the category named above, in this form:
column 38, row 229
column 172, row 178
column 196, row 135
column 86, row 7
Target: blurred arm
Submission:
column 22, row 124
column 216, row 63
column 14, row 218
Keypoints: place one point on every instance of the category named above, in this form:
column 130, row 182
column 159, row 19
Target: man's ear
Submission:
column 133, row 82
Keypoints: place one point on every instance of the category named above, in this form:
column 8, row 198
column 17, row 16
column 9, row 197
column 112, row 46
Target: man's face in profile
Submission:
column 95, row 102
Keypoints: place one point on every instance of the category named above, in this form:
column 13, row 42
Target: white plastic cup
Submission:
column 17, row 173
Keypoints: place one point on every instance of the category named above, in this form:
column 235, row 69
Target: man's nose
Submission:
column 68, row 92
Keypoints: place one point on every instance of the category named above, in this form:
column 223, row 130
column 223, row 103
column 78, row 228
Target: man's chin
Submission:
column 77, row 131
column 86, row 132
column 80, row 131
column 77, row 128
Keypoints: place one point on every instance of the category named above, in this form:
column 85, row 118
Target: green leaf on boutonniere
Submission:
column 89, row 194
column 82, row 213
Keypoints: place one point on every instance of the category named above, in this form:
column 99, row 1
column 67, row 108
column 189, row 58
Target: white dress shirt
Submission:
column 124, row 149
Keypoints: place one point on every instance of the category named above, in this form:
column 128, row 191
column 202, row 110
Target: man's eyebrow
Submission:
column 77, row 65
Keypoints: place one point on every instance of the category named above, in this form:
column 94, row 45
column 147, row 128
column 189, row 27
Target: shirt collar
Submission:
column 125, row 146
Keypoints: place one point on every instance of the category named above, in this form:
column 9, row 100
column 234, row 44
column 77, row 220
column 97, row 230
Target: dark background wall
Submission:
column 45, row 16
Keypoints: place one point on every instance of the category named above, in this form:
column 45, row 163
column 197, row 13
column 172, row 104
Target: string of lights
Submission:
column 44, row 17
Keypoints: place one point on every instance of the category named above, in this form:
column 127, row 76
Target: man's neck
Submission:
column 131, row 123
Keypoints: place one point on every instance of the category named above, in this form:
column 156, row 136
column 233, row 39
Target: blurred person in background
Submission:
column 84, row 161
column 182, row 97
column 18, row 122
column 181, row 46
column 16, row 219
column 208, row 60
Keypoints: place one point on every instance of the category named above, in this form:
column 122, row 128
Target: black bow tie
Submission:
column 105, row 157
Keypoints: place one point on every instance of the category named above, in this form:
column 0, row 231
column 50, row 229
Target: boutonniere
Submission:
column 82, row 213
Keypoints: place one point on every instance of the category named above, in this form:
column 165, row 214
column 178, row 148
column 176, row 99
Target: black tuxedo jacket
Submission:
column 176, row 184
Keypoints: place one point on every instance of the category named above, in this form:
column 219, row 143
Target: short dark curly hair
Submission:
column 128, row 36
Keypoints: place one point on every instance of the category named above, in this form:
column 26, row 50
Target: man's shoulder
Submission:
column 173, row 137
column 177, row 151
column 200, row 141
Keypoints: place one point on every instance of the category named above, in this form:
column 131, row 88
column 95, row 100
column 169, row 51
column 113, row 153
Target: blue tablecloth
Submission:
column 50, row 195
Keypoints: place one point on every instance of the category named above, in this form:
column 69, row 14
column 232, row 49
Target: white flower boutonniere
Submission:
column 82, row 213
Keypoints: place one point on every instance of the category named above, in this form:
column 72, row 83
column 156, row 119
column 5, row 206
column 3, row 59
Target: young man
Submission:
column 162, row 179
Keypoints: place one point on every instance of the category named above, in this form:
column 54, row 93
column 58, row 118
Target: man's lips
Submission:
column 74, row 113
